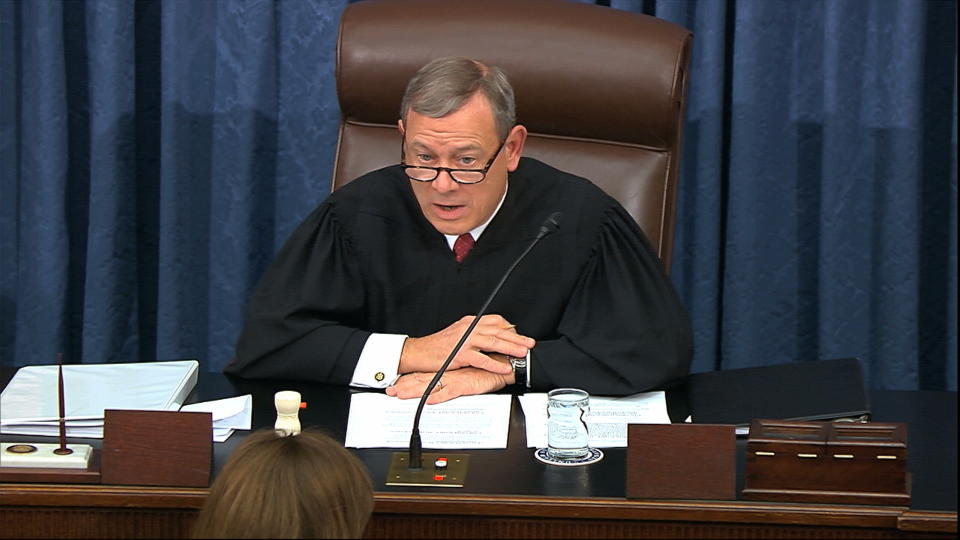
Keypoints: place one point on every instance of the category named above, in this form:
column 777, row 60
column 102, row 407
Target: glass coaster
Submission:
column 594, row 455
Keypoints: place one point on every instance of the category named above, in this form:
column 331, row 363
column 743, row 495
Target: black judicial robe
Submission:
column 593, row 294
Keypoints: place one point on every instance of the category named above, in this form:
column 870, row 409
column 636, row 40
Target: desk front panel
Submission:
column 38, row 511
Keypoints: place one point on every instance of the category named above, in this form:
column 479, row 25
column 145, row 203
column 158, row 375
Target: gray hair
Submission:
column 442, row 86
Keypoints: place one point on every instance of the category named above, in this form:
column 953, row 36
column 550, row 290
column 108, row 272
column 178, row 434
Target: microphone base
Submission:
column 454, row 475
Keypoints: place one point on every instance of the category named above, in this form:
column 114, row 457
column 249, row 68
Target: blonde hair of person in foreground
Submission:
column 299, row 486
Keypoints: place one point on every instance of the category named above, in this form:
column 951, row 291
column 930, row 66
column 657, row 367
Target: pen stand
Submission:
column 41, row 470
column 157, row 448
column 824, row 462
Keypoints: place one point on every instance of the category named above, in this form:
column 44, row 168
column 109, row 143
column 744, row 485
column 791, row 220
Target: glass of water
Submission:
column 568, row 437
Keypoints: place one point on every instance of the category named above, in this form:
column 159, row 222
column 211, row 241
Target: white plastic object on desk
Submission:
column 288, row 412
column 18, row 454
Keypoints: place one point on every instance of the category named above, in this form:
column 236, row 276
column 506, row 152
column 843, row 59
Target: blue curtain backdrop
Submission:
column 154, row 155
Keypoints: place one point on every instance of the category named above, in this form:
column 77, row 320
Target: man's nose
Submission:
column 444, row 182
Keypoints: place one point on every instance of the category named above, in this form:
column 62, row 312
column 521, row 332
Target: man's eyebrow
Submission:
column 470, row 147
column 420, row 147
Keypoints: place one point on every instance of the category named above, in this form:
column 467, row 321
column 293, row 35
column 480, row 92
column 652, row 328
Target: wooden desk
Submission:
column 510, row 494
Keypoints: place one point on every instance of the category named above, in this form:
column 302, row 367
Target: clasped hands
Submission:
column 480, row 366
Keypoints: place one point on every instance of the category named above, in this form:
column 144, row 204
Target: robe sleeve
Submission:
column 624, row 329
column 304, row 317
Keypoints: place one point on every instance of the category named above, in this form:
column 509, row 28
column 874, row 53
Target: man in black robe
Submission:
column 376, row 286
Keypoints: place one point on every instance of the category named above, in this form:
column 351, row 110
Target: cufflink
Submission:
column 379, row 376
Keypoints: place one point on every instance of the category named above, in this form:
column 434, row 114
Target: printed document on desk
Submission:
column 467, row 422
column 29, row 404
column 608, row 417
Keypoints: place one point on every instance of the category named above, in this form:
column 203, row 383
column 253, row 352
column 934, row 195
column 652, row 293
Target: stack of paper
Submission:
column 228, row 414
column 29, row 404
column 380, row 421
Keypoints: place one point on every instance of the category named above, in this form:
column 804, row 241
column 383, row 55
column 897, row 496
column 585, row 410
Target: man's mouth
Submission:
column 449, row 211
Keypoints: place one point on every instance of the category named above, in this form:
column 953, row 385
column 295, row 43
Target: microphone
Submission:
column 415, row 463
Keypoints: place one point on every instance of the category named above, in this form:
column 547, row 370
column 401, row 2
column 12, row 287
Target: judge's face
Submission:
column 464, row 139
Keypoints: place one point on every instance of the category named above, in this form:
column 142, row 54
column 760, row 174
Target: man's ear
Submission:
column 514, row 146
column 400, row 126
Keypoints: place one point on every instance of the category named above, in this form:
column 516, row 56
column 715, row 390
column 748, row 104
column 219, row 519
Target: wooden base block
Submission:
column 827, row 462
column 829, row 497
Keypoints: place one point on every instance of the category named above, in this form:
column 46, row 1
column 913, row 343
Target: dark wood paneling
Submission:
column 35, row 510
column 60, row 522
column 392, row 526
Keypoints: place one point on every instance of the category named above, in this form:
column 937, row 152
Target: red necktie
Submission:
column 462, row 246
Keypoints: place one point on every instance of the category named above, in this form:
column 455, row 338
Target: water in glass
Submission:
column 568, row 437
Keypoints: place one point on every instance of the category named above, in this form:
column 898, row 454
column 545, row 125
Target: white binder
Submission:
column 29, row 405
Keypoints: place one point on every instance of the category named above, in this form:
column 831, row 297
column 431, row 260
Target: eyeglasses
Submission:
column 422, row 173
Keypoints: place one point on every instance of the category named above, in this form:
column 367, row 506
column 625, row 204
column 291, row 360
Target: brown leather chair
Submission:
column 601, row 91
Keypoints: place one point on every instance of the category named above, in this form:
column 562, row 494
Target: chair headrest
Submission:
column 606, row 72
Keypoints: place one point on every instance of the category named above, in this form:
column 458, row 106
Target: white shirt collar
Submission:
column 475, row 233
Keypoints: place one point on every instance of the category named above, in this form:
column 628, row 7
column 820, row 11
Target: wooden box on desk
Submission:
column 681, row 461
column 827, row 462
column 157, row 448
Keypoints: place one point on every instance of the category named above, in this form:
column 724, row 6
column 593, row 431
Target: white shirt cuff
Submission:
column 379, row 361
column 529, row 369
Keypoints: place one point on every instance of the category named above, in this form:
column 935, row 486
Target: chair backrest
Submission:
column 601, row 91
